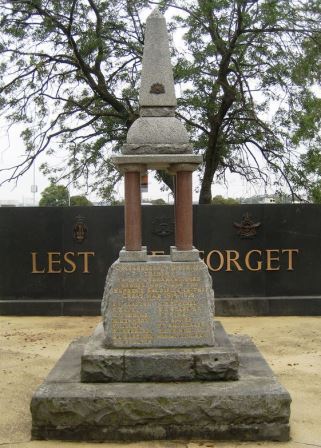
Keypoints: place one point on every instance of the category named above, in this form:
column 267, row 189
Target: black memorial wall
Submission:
column 264, row 259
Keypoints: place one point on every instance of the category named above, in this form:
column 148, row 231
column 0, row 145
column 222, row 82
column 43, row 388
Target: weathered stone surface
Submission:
column 157, row 161
column 256, row 407
column 157, row 112
column 157, row 68
column 184, row 255
column 156, row 366
column 158, row 304
column 180, row 364
column 157, row 130
column 157, row 148
column 98, row 368
column 133, row 255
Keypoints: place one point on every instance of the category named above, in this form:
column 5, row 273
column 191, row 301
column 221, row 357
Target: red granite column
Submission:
column 133, row 232
column 183, row 210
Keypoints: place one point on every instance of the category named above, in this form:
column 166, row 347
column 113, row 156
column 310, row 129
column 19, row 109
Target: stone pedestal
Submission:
column 153, row 370
column 128, row 256
column 158, row 304
column 184, row 255
column 256, row 407
column 104, row 365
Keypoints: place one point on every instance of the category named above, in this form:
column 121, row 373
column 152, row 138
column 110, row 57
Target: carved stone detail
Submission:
column 157, row 88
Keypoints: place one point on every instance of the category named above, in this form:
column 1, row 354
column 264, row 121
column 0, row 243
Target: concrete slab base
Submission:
column 103, row 365
column 256, row 407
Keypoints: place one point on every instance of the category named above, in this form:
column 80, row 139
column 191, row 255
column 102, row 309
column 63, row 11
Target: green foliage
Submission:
column 58, row 196
column 117, row 202
column 54, row 196
column 158, row 201
column 308, row 175
column 218, row 199
column 315, row 193
column 280, row 197
column 70, row 73
column 80, row 200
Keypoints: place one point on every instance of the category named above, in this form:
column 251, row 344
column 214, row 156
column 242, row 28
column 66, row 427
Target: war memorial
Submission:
column 159, row 366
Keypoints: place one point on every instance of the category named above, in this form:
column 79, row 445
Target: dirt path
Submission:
column 30, row 346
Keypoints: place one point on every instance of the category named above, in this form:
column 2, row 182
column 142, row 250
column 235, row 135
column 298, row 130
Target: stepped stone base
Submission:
column 256, row 407
column 101, row 365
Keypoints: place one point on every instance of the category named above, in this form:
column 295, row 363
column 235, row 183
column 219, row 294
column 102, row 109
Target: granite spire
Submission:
column 157, row 130
column 157, row 82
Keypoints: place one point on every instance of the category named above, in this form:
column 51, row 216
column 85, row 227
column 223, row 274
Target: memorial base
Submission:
column 158, row 303
column 256, row 407
column 101, row 365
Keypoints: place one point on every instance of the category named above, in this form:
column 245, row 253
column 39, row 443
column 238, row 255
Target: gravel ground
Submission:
column 30, row 346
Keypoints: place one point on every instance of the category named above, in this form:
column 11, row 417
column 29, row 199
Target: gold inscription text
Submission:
column 58, row 262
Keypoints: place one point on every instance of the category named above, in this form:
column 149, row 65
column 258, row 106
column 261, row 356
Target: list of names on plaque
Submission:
column 155, row 304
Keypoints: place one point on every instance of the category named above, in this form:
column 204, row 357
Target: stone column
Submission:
column 133, row 228
column 183, row 206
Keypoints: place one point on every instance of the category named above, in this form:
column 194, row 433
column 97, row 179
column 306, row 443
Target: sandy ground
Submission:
column 30, row 346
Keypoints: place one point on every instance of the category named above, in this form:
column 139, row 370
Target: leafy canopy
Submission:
column 80, row 201
column 70, row 71
column 54, row 196
column 58, row 196
column 219, row 200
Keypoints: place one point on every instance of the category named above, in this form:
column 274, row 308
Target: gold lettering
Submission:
column 86, row 255
column 34, row 264
column 270, row 258
column 51, row 262
column 247, row 260
column 230, row 259
column 290, row 257
column 157, row 252
column 208, row 260
column 70, row 262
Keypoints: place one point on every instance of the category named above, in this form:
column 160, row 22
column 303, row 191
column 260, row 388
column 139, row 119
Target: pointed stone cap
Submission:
column 157, row 82
column 157, row 131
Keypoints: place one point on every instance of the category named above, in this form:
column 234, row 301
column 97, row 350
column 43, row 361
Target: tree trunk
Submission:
column 205, row 196
column 168, row 179
column 211, row 164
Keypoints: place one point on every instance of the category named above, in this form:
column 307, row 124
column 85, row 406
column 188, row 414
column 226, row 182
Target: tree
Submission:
column 80, row 201
column 281, row 197
column 58, row 196
column 224, row 201
column 248, row 58
column 308, row 175
column 159, row 201
column 54, row 196
column 118, row 202
column 245, row 72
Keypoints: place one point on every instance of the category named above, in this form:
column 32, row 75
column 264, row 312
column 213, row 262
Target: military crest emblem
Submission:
column 80, row 230
column 163, row 227
column 157, row 88
column 247, row 228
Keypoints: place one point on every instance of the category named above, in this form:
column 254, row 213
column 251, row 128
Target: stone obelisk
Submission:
column 173, row 375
